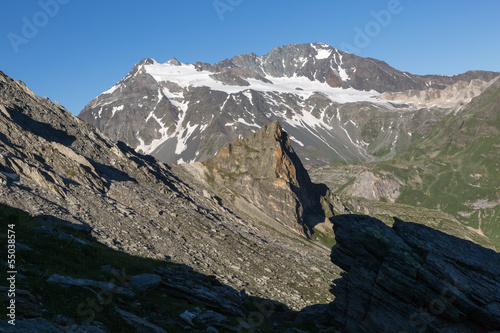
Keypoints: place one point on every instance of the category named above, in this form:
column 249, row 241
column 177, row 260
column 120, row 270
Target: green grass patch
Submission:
column 490, row 99
column 326, row 239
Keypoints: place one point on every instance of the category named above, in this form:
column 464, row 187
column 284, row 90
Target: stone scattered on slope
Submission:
column 58, row 234
column 76, row 282
column 181, row 283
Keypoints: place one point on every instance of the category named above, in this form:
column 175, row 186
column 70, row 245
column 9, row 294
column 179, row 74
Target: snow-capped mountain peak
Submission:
column 329, row 102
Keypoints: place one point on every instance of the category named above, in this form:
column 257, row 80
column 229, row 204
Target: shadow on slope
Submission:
column 68, row 282
column 44, row 130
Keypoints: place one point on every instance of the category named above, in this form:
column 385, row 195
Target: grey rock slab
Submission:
column 144, row 282
column 59, row 234
column 70, row 281
column 141, row 325
column 411, row 277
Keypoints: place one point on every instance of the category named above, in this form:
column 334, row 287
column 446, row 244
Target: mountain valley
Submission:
column 340, row 110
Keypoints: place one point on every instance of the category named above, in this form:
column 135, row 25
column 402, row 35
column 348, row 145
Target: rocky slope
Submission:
column 411, row 278
column 366, row 189
column 92, row 288
column 64, row 171
column 335, row 105
column 405, row 278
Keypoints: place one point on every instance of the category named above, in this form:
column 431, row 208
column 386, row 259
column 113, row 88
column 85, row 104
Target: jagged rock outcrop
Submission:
column 411, row 278
column 265, row 171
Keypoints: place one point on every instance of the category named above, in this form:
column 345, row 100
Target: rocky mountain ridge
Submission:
column 335, row 105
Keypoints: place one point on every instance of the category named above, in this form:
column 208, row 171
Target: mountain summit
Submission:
column 336, row 105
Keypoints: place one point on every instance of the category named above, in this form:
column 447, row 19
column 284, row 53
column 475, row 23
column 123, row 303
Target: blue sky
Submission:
column 71, row 51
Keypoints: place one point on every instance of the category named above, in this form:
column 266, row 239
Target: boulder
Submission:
column 107, row 286
column 182, row 282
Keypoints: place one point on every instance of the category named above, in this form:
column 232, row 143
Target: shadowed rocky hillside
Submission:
column 412, row 278
column 110, row 240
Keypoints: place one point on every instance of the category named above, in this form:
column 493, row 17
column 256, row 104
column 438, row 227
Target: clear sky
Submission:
column 71, row 50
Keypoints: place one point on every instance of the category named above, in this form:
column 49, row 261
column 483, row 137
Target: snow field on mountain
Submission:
column 187, row 75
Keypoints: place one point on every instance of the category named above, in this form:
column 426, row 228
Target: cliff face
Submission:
column 412, row 278
column 264, row 170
